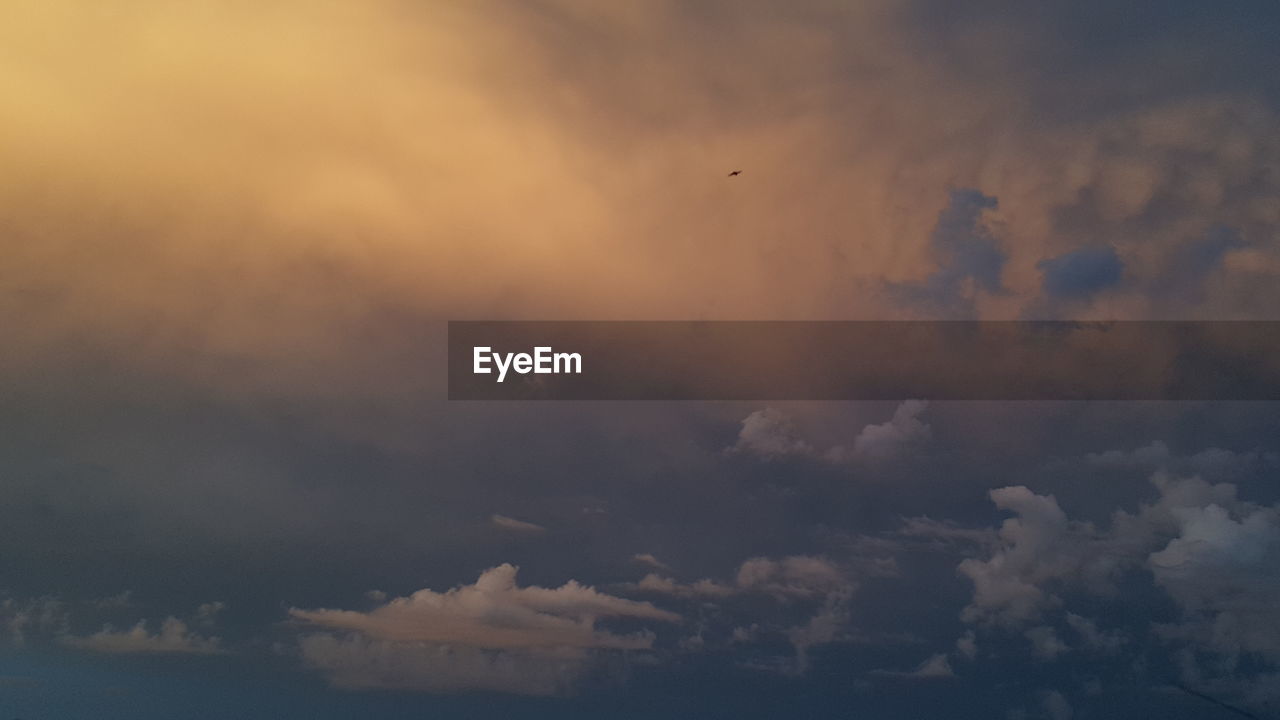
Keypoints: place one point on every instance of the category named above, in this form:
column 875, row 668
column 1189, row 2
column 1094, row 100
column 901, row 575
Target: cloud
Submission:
column 173, row 637
column 1041, row 549
column 946, row 534
column 1080, row 274
column 492, row 626
column 969, row 257
column 771, row 434
column 699, row 588
column 1223, row 569
column 207, row 613
column 494, row 613
column 120, row 600
column 829, row 624
column 1211, row 462
column 768, row 433
column 788, row 578
column 45, row 616
column 1037, row 546
column 936, row 667
column 648, row 560
column 903, row 432
column 793, row 581
column 1045, row 643
column 508, row 523
column 1215, row 556
column 832, row 134
column 1093, row 638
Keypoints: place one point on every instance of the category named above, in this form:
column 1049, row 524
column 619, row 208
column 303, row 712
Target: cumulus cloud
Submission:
column 492, row 623
column 903, row 432
column 1042, row 549
column 1038, row 546
column 1223, row 569
column 1217, row 558
column 173, row 637
column 769, row 433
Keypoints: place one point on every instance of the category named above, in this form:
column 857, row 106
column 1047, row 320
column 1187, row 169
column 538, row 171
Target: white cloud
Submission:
column 1037, row 546
column 1216, row 556
column 491, row 631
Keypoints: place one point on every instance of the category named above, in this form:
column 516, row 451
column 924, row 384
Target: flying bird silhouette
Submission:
column 735, row 172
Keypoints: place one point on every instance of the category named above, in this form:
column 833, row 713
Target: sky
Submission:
column 231, row 234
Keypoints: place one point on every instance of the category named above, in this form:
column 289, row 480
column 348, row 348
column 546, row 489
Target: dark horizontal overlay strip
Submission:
column 864, row 360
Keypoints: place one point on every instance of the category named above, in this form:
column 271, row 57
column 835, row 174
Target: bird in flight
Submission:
column 735, row 172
